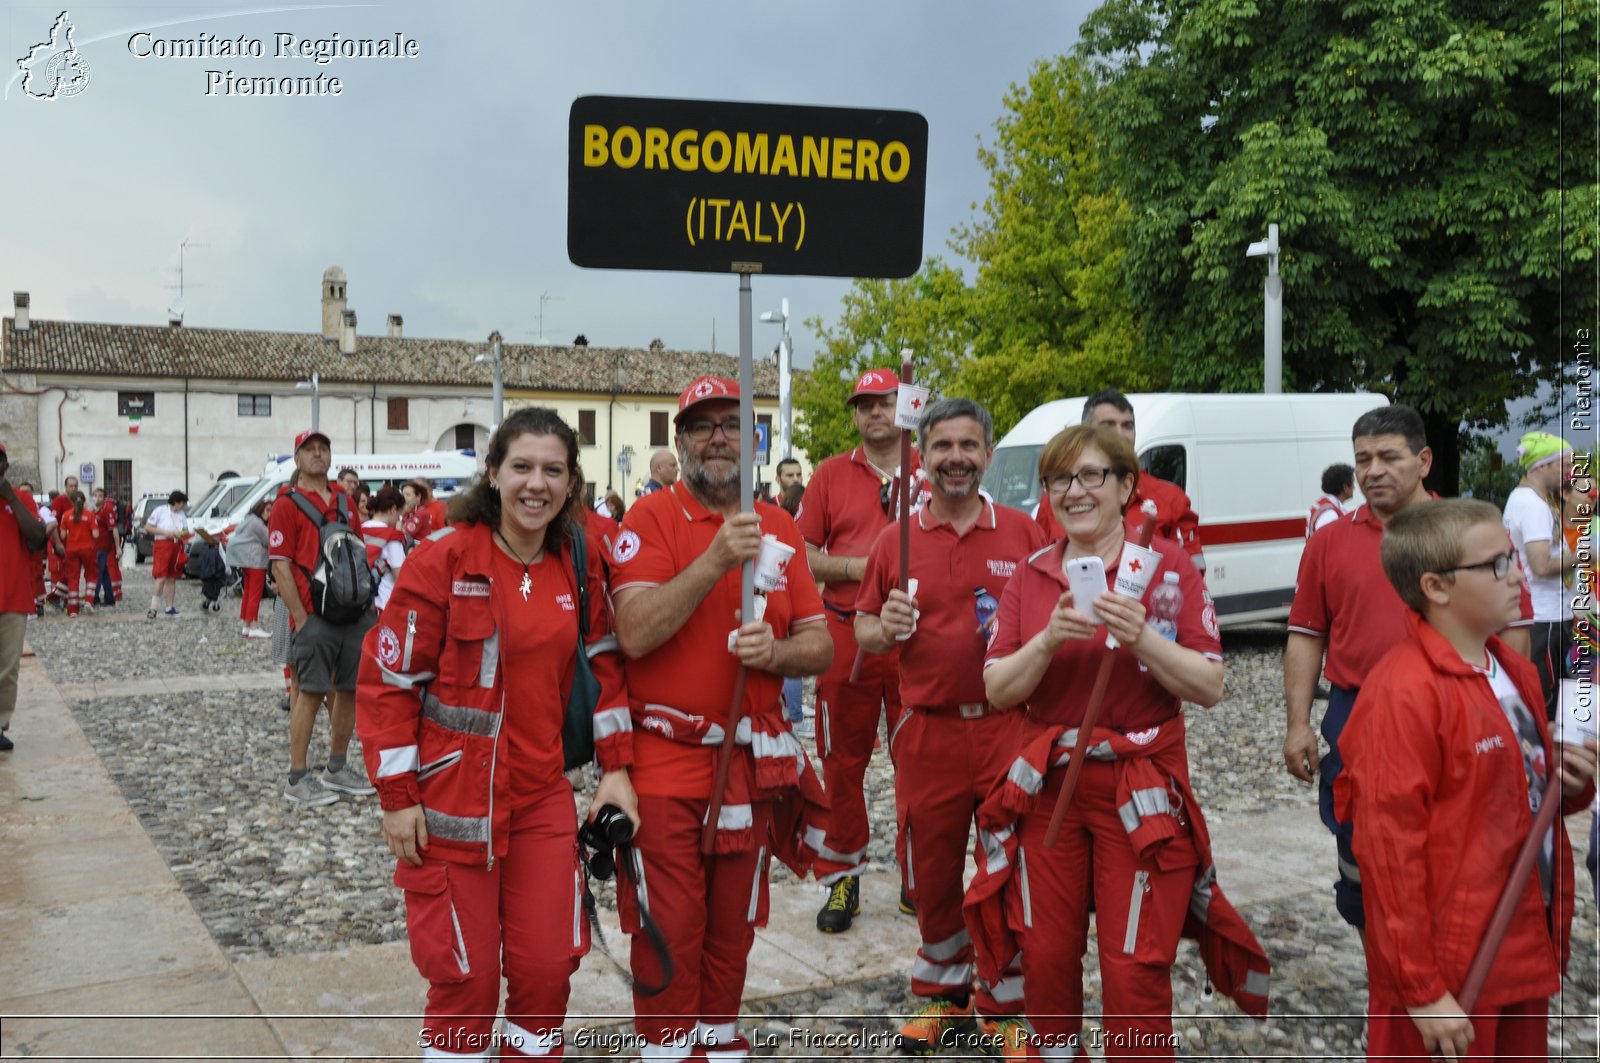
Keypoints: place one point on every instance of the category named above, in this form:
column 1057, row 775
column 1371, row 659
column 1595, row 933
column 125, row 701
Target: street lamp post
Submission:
column 499, row 379
column 785, row 394
column 315, row 385
column 1272, row 375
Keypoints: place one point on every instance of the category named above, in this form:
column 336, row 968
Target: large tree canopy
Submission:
column 1047, row 314
column 1414, row 155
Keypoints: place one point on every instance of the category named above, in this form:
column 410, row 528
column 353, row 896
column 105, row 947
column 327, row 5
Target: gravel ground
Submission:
column 205, row 773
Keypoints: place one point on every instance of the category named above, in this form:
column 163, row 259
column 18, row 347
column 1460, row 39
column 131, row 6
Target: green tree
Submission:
column 1415, row 158
column 925, row 312
column 1050, row 314
column 1047, row 314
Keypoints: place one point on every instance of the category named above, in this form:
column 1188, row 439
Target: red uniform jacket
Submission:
column 1435, row 785
column 432, row 687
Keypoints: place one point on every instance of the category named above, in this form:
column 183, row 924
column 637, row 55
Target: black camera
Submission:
column 601, row 836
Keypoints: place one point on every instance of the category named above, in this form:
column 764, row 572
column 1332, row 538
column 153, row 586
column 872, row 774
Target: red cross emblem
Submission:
column 1135, row 565
column 916, row 403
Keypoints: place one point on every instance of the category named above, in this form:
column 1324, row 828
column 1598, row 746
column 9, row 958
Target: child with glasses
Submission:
column 1447, row 758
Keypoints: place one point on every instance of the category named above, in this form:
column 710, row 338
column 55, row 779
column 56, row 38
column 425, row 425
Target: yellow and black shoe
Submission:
column 938, row 1024
column 842, row 906
column 907, row 905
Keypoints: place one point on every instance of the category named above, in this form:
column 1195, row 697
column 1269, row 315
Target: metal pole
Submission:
column 499, row 384
column 1274, row 321
column 316, row 402
column 747, row 433
column 785, row 391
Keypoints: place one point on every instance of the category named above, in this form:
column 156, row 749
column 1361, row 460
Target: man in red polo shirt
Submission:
column 21, row 532
column 951, row 746
column 325, row 656
column 676, row 586
column 59, row 507
column 1346, row 607
column 850, row 499
column 1175, row 515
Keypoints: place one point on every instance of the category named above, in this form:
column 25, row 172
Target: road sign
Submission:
column 86, row 472
column 719, row 187
column 763, row 442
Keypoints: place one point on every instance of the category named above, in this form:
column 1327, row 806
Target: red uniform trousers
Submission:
column 1508, row 1032
column 466, row 921
column 1139, row 908
column 707, row 908
column 255, row 580
column 945, row 765
column 847, row 727
column 166, row 561
column 114, row 567
column 58, row 573
column 36, row 567
column 79, row 566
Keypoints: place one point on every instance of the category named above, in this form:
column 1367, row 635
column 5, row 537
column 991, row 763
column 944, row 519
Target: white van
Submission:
column 221, row 499
column 1251, row 464
column 445, row 470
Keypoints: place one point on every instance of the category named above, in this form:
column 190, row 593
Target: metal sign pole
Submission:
column 747, row 436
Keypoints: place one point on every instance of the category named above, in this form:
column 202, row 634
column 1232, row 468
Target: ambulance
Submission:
column 1251, row 465
column 447, row 471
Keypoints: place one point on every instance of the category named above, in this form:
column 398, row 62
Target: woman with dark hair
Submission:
column 386, row 543
column 79, row 537
column 464, row 684
column 169, row 526
column 416, row 518
column 247, row 550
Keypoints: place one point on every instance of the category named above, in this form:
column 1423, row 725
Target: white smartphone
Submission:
column 1087, row 578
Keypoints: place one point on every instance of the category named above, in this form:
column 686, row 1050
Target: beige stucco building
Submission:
column 146, row 409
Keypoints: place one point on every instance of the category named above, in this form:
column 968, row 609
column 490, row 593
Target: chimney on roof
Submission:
column 20, row 302
column 347, row 334
column 333, row 301
column 394, row 326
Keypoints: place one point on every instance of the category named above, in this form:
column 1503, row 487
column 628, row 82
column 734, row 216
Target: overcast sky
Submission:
column 439, row 182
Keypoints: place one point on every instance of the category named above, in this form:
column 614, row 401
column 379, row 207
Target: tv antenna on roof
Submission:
column 544, row 297
column 175, row 311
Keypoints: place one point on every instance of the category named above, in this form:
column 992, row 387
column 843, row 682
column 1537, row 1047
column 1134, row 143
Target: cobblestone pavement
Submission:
column 205, row 771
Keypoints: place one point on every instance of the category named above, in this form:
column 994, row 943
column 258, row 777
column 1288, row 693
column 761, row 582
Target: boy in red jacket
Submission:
column 1445, row 768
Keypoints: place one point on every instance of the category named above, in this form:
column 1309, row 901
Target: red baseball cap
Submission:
column 705, row 389
column 308, row 435
column 875, row 382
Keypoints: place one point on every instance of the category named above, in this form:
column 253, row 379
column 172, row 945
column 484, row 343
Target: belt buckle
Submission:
column 972, row 710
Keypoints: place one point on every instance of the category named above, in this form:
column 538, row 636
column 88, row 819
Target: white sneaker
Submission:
column 256, row 633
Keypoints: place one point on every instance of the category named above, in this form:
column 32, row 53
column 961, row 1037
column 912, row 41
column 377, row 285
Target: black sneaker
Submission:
column 843, row 905
column 907, row 905
column 6, row 745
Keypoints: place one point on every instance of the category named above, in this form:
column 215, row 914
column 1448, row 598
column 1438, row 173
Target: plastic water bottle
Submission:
column 985, row 605
column 1166, row 605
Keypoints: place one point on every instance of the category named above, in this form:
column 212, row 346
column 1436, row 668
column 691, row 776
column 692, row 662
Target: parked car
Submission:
column 143, row 543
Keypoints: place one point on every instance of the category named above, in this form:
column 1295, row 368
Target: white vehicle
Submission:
column 445, row 470
column 1251, row 464
column 221, row 499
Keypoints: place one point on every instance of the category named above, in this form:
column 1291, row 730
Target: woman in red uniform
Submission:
column 416, row 519
column 80, row 535
column 1138, row 874
column 463, row 690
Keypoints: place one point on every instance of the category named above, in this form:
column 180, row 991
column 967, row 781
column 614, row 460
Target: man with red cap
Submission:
column 21, row 531
column 676, row 585
column 851, row 498
column 325, row 655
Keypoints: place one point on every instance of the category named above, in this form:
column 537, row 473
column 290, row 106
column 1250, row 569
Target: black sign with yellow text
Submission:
column 717, row 187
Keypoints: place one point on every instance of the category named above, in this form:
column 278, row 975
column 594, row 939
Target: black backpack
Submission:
column 342, row 588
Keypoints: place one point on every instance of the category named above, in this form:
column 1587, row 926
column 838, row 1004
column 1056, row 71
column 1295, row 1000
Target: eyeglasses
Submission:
column 1090, row 478
column 700, row 431
column 1500, row 564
